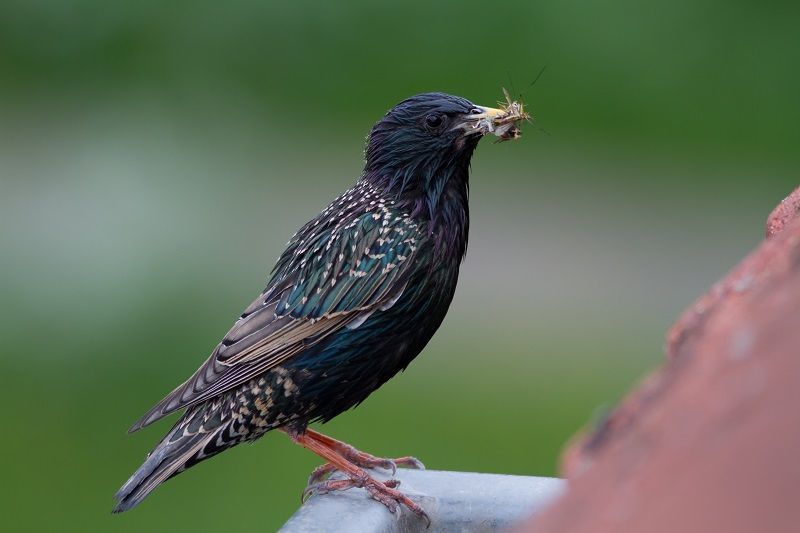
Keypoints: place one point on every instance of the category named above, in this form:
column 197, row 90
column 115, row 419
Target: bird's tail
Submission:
column 188, row 443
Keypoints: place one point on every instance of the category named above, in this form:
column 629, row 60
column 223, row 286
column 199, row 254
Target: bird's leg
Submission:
column 329, row 449
column 356, row 457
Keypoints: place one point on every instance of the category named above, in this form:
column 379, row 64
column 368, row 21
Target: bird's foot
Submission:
column 346, row 459
column 382, row 491
column 364, row 460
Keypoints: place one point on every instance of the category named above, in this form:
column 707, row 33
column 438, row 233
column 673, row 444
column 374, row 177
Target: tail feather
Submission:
column 184, row 446
column 159, row 466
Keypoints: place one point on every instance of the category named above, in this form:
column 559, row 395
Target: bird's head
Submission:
column 426, row 140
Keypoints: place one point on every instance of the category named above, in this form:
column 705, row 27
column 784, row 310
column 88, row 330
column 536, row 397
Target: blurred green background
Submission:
column 154, row 158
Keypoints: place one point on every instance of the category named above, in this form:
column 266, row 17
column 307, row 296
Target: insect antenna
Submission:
column 541, row 71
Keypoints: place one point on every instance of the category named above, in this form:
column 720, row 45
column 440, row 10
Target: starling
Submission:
column 356, row 295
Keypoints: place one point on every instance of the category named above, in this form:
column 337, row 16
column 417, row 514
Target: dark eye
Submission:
column 475, row 111
column 434, row 121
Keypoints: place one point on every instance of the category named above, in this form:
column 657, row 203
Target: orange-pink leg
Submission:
column 351, row 462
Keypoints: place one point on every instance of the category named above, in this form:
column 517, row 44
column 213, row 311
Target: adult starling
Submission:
column 356, row 295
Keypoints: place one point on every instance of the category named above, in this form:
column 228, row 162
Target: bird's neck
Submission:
column 438, row 198
column 448, row 218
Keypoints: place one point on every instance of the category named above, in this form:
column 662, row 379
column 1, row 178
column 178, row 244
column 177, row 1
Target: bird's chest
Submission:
column 417, row 315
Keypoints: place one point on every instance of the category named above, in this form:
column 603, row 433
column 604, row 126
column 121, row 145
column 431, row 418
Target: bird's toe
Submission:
column 409, row 462
column 392, row 499
column 320, row 473
column 330, row 485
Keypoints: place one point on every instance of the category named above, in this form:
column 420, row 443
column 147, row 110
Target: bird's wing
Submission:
column 327, row 279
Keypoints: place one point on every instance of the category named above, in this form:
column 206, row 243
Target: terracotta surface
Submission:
column 786, row 211
column 711, row 441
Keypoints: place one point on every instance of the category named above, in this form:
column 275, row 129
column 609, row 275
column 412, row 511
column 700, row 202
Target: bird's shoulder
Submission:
column 348, row 257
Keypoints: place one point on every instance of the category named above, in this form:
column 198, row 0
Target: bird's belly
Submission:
column 341, row 371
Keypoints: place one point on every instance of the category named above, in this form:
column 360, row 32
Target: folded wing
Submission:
column 331, row 276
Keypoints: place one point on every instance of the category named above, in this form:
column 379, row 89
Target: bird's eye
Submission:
column 475, row 111
column 433, row 121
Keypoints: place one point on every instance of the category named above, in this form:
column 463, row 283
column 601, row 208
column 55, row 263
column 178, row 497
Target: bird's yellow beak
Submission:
column 489, row 113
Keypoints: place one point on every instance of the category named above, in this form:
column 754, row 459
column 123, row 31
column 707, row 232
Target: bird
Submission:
column 356, row 295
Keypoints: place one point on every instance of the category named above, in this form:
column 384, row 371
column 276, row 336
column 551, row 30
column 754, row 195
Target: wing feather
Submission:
column 328, row 278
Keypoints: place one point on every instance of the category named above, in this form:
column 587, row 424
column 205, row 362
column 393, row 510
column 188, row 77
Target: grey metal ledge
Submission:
column 454, row 501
